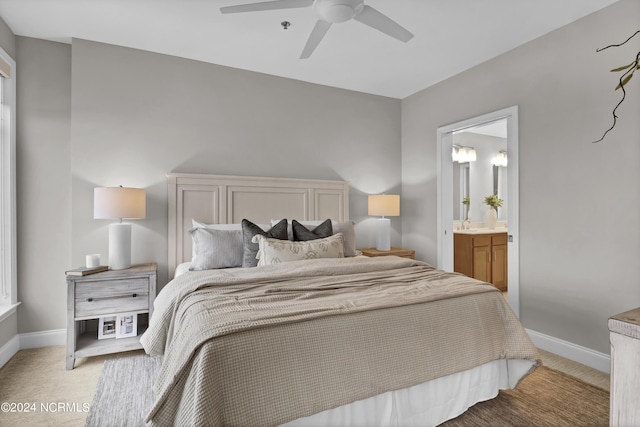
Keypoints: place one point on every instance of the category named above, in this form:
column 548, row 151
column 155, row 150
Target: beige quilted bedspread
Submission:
column 266, row 345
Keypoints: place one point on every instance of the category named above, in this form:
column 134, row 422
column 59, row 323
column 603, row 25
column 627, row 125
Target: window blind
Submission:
column 5, row 69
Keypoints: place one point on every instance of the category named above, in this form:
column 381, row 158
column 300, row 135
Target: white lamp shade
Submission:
column 119, row 203
column 384, row 205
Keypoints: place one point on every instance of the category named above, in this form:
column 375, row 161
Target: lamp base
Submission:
column 119, row 246
column 383, row 242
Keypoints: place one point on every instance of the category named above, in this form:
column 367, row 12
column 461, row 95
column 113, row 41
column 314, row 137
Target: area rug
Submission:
column 545, row 398
column 124, row 393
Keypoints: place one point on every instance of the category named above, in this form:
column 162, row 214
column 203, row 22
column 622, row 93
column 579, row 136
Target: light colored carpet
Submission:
column 39, row 377
column 578, row 370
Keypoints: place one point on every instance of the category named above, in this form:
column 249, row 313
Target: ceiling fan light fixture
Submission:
column 336, row 11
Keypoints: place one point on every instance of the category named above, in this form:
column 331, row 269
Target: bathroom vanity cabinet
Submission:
column 482, row 255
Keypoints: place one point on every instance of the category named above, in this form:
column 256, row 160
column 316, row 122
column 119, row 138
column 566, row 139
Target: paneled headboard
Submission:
column 219, row 199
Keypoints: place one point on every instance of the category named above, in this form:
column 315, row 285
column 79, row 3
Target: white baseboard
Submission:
column 575, row 352
column 31, row 340
column 43, row 339
column 8, row 350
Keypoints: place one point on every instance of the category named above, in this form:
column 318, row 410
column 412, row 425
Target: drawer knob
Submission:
column 89, row 299
column 134, row 295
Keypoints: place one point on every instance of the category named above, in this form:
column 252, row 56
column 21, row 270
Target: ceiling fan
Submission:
column 330, row 12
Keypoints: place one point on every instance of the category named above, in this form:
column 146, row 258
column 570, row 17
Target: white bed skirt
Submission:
column 426, row 404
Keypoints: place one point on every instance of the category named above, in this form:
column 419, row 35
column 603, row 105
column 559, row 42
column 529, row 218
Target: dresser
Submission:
column 624, row 335
column 107, row 295
column 482, row 255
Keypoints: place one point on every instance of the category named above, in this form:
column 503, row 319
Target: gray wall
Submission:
column 7, row 39
column 43, row 182
column 578, row 201
column 8, row 327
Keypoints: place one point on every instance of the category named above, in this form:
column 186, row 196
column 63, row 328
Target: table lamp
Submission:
column 384, row 205
column 119, row 203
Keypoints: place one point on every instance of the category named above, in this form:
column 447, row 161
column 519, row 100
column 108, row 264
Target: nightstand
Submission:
column 624, row 335
column 403, row 253
column 107, row 294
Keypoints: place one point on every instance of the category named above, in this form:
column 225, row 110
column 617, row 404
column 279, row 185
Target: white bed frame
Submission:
column 220, row 199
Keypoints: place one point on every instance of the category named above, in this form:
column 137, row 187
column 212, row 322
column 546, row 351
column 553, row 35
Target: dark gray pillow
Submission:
column 302, row 233
column 249, row 229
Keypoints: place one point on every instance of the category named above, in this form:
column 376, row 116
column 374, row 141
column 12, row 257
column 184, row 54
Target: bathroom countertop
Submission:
column 482, row 231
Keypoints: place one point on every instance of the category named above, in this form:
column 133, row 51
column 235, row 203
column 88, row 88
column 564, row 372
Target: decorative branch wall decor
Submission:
column 628, row 69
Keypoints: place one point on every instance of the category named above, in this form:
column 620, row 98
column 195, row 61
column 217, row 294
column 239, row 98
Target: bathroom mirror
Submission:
column 482, row 177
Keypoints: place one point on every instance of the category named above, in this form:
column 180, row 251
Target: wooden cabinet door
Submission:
column 499, row 267
column 463, row 254
column 482, row 263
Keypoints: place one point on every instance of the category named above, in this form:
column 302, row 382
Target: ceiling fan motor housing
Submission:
column 336, row 11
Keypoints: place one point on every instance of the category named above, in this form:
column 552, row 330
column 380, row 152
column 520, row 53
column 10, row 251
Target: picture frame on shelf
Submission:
column 126, row 325
column 107, row 327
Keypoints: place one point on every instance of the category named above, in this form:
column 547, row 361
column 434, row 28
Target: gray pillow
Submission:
column 345, row 227
column 249, row 229
column 216, row 248
column 303, row 234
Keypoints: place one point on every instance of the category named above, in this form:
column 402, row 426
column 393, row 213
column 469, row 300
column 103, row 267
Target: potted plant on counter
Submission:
column 493, row 201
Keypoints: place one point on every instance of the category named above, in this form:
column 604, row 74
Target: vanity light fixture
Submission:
column 471, row 154
column 462, row 154
column 455, row 153
column 501, row 159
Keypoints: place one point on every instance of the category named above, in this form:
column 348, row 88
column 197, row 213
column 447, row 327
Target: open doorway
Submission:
column 454, row 181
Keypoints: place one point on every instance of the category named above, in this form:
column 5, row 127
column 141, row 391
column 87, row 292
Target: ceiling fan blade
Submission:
column 267, row 5
column 371, row 17
column 315, row 37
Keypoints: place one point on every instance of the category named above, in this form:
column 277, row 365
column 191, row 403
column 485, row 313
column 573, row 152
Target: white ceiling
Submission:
column 450, row 35
column 497, row 128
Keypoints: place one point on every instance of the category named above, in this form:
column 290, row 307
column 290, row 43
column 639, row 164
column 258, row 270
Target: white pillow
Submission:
column 274, row 251
column 195, row 223
column 345, row 227
column 216, row 248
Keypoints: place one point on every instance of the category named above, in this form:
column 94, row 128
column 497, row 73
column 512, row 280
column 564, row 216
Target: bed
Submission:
column 331, row 340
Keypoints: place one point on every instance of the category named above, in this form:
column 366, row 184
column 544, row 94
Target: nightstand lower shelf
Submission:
column 88, row 345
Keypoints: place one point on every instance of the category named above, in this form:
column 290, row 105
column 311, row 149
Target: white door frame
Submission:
column 445, row 195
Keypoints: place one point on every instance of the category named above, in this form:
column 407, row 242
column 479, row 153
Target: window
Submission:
column 8, row 264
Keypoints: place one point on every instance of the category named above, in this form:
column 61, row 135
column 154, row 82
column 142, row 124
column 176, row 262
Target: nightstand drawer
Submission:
column 111, row 296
